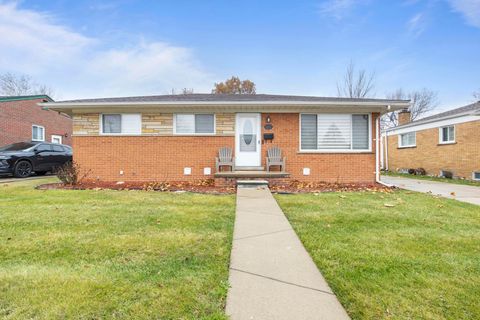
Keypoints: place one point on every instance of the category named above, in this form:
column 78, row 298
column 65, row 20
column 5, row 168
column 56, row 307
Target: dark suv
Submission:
column 23, row 158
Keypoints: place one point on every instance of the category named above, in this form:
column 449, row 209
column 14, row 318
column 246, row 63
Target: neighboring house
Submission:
column 22, row 119
column 177, row 137
column 448, row 142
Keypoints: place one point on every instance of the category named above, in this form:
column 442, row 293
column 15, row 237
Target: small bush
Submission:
column 420, row 172
column 70, row 173
column 411, row 171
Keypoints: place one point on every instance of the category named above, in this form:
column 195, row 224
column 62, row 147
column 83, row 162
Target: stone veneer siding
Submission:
column 163, row 158
column 157, row 123
column 461, row 157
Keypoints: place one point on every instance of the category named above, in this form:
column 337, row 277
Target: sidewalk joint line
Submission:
column 282, row 281
column 263, row 234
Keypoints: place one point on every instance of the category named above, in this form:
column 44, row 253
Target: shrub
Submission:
column 70, row 173
column 420, row 172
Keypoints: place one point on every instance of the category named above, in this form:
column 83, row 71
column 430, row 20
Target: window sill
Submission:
column 406, row 147
column 446, row 143
column 335, row 152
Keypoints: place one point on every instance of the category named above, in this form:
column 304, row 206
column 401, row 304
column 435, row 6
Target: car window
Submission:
column 43, row 147
column 17, row 146
column 57, row 148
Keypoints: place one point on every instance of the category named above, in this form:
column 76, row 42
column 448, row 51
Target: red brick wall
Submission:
column 17, row 118
column 147, row 158
column 159, row 158
column 330, row 167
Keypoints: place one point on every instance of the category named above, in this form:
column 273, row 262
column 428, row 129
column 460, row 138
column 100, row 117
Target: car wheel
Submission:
column 40, row 173
column 23, row 169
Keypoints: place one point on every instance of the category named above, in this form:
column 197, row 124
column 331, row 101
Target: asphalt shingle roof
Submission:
column 471, row 108
column 223, row 97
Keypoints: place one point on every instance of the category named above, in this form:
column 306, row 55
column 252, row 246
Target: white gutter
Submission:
column 377, row 157
column 227, row 103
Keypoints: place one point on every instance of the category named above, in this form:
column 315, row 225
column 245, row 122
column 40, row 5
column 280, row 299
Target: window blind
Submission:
column 204, row 123
column 360, row 131
column 334, row 131
column 308, row 127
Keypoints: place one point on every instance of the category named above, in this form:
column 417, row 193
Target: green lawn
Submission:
column 429, row 178
column 419, row 259
column 113, row 254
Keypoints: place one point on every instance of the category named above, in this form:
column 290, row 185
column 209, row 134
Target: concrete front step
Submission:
column 244, row 168
column 252, row 183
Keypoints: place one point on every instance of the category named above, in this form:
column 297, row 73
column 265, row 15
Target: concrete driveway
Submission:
column 10, row 179
column 470, row 194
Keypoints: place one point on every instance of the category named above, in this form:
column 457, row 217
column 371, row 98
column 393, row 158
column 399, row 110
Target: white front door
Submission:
column 247, row 140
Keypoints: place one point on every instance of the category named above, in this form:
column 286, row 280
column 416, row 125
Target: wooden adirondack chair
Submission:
column 225, row 158
column 274, row 158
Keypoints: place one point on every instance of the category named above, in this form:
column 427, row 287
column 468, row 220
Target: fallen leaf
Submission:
column 389, row 205
column 452, row 193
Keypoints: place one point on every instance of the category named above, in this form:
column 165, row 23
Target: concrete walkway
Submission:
column 271, row 274
column 459, row 192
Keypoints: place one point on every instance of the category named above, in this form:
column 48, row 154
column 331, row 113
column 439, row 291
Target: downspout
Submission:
column 377, row 157
column 386, row 151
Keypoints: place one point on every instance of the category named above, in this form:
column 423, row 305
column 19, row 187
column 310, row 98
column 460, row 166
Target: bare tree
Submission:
column 476, row 94
column 18, row 85
column 421, row 102
column 174, row 91
column 356, row 84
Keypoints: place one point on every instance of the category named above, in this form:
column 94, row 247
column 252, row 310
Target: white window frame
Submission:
column 56, row 136
column 351, row 150
column 473, row 176
column 440, row 135
column 194, row 133
column 410, row 145
column 121, row 119
column 43, row 132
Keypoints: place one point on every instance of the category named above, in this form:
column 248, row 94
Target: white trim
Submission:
column 437, row 124
column 43, row 132
column 400, row 145
column 390, row 105
column 351, row 150
column 440, row 135
column 193, row 133
column 56, row 136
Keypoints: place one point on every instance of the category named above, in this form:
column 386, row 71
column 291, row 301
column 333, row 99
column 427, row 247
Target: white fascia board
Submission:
column 434, row 124
column 380, row 106
column 394, row 105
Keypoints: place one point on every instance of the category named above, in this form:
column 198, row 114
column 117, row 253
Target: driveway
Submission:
column 470, row 194
column 10, row 179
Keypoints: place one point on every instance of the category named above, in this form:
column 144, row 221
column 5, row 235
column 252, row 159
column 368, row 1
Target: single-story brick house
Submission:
column 442, row 144
column 177, row 137
column 22, row 119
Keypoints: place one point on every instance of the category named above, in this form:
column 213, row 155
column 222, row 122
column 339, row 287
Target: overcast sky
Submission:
column 87, row 49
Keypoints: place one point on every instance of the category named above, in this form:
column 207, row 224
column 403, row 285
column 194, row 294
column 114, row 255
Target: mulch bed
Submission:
column 316, row 187
column 203, row 186
column 208, row 186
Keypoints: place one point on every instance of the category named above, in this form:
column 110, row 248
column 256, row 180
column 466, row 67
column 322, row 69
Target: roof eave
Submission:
column 384, row 106
column 420, row 122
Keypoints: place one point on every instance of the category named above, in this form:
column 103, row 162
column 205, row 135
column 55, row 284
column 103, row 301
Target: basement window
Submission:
column 476, row 175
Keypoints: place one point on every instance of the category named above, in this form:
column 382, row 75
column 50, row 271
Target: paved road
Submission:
column 271, row 274
column 459, row 192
